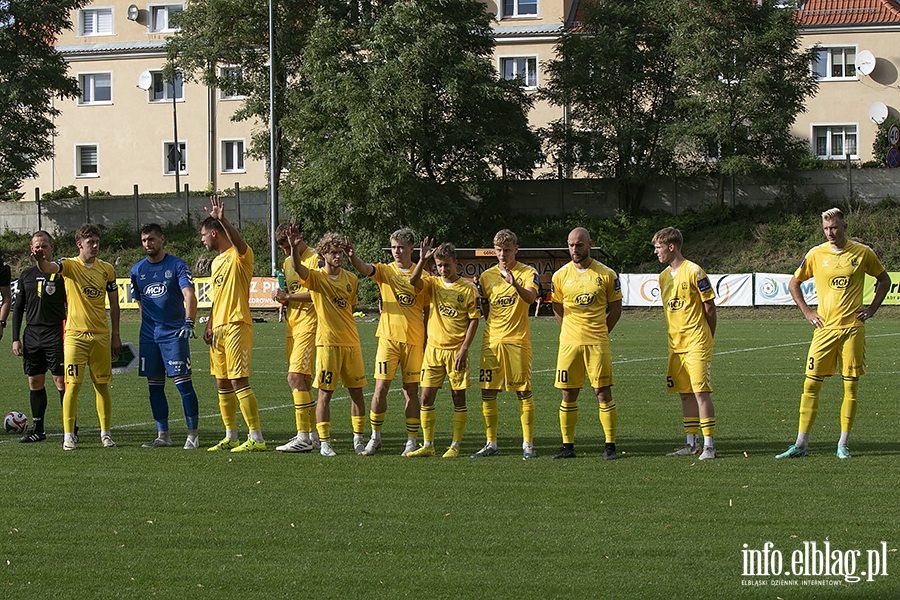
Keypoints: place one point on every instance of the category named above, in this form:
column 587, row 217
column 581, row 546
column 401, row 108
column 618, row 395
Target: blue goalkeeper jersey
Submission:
column 157, row 286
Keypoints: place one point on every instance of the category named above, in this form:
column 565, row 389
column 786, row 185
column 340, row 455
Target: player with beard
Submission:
column 164, row 290
column 587, row 303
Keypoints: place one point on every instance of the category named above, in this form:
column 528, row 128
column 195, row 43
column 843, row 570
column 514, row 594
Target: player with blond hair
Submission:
column 401, row 335
column 332, row 291
column 452, row 323
column 508, row 289
column 689, row 302
column 838, row 267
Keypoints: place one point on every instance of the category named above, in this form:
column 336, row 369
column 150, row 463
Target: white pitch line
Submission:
column 398, row 390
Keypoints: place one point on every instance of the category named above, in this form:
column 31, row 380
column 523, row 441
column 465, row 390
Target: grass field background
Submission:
column 167, row 523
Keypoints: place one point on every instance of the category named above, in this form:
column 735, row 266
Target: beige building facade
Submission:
column 120, row 132
column 842, row 118
column 117, row 134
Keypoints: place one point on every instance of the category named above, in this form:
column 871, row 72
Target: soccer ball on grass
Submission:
column 15, row 422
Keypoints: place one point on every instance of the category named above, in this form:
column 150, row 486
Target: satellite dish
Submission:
column 145, row 80
column 865, row 62
column 878, row 112
column 133, row 12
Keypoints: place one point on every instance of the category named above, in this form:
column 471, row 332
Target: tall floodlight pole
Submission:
column 273, row 173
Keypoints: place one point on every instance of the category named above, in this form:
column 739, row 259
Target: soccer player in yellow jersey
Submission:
column 508, row 289
column 300, row 333
column 587, row 303
column 401, row 335
column 338, row 353
column 452, row 323
column 838, row 268
column 229, row 331
column 689, row 303
column 90, row 282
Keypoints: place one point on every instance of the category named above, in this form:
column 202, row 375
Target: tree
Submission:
column 234, row 33
column 408, row 124
column 614, row 73
column 742, row 78
column 882, row 144
column 32, row 73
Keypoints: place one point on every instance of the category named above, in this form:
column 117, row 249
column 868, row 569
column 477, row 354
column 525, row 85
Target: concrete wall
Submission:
column 595, row 198
column 64, row 216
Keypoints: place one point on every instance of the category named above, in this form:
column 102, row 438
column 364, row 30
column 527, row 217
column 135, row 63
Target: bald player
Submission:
column 587, row 303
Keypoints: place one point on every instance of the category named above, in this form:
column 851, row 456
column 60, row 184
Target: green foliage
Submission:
column 32, row 74
column 615, row 74
column 742, row 79
column 407, row 124
column 63, row 193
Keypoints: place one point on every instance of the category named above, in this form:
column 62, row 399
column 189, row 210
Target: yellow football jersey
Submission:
column 683, row 295
column 507, row 321
column 585, row 295
column 839, row 279
column 231, row 274
column 301, row 316
column 334, row 300
column 402, row 306
column 86, row 290
column 453, row 305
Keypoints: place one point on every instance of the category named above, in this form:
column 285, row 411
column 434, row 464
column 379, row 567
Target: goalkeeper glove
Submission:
column 187, row 330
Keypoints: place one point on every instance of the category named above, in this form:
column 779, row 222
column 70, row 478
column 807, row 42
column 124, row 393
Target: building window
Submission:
column 86, row 163
column 160, row 17
column 520, row 8
column 523, row 69
column 96, row 88
column 163, row 88
column 835, row 63
column 233, row 156
column 95, row 21
column 834, row 141
column 170, row 159
column 230, row 81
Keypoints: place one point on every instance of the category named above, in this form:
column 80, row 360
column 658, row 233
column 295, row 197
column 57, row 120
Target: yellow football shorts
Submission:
column 301, row 351
column 505, row 367
column 831, row 347
column 690, row 372
column 390, row 354
column 82, row 348
column 229, row 353
column 572, row 362
column 438, row 364
column 339, row 362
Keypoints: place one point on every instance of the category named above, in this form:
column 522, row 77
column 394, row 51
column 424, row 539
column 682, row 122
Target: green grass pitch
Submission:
column 166, row 523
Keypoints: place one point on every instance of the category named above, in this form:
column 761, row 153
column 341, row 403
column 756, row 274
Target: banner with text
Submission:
column 771, row 289
column 643, row 289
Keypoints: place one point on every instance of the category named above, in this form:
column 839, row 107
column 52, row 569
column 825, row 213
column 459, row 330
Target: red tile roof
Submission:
column 828, row 12
column 848, row 12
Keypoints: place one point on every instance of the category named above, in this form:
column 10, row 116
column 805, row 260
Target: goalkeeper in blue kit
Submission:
column 164, row 290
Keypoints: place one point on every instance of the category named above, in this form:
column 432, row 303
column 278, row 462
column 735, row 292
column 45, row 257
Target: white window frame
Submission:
column 152, row 10
column 82, row 77
column 96, row 10
column 829, row 66
column 222, row 94
column 227, row 152
column 524, row 80
column 165, row 84
column 829, row 127
column 79, row 172
column 501, row 6
column 165, row 157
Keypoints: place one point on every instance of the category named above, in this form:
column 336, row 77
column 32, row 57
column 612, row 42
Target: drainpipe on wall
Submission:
column 211, row 152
